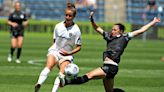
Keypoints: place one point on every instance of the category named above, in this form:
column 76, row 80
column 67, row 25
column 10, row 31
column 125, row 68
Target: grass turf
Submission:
column 141, row 69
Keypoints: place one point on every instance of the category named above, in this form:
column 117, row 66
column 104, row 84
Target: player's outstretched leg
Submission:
column 79, row 80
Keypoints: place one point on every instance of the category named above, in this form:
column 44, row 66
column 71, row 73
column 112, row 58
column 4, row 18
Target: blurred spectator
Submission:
column 160, row 11
column 152, row 4
column 79, row 3
column 1, row 9
column 91, row 4
column 7, row 7
column 150, row 10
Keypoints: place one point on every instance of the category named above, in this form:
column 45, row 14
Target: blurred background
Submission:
column 134, row 13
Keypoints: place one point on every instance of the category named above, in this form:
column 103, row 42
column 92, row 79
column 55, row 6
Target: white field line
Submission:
column 40, row 61
column 36, row 62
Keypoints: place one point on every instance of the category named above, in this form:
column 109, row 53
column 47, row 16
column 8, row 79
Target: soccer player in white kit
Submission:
column 67, row 41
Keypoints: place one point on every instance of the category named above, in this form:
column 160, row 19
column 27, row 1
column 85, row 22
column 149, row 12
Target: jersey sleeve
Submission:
column 78, row 41
column 10, row 17
column 128, row 36
column 106, row 35
column 78, row 37
column 55, row 33
column 25, row 17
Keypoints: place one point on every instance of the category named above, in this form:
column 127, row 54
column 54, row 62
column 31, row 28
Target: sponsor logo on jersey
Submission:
column 70, row 35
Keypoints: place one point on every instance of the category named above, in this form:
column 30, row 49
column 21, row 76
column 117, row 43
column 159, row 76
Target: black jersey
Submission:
column 115, row 46
column 18, row 17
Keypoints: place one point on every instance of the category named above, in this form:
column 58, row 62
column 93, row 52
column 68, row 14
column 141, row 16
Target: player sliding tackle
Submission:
column 116, row 41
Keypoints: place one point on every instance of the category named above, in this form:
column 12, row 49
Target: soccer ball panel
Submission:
column 71, row 70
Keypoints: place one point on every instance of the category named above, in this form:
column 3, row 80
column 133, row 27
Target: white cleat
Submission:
column 9, row 58
column 17, row 61
column 62, row 79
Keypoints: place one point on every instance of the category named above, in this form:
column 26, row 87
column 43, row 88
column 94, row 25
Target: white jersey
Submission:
column 66, row 38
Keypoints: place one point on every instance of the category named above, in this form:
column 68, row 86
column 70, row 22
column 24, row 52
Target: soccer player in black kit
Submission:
column 117, row 41
column 17, row 21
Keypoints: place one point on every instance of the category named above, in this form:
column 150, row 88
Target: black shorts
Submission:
column 110, row 70
column 15, row 34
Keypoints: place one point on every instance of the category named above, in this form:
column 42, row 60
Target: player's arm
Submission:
column 13, row 24
column 75, row 50
column 145, row 27
column 94, row 25
column 25, row 23
column 9, row 22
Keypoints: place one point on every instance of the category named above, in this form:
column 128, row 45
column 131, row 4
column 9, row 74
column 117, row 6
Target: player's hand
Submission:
column 91, row 16
column 156, row 20
column 25, row 23
column 64, row 52
column 14, row 24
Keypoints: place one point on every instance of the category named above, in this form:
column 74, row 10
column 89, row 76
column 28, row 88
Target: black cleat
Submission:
column 37, row 87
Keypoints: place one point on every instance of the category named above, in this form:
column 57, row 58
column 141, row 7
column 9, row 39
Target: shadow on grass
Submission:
column 118, row 90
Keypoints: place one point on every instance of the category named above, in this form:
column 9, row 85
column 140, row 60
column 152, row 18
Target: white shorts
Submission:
column 60, row 58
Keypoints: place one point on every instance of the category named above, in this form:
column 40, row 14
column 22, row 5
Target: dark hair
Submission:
column 151, row 2
column 121, row 27
column 71, row 6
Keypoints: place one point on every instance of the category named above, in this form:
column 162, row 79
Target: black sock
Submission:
column 12, row 51
column 19, row 52
column 78, row 80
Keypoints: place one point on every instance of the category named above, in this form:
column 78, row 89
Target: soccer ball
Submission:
column 71, row 70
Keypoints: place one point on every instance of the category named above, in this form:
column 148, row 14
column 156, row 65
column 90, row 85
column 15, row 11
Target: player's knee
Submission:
column 14, row 45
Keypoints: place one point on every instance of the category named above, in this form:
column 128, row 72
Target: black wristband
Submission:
column 91, row 19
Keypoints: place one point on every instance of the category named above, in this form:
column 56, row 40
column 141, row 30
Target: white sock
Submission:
column 56, row 85
column 43, row 75
column 61, row 74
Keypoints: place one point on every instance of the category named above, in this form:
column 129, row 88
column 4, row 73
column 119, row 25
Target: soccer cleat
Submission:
column 9, row 58
column 17, row 61
column 62, row 79
column 37, row 87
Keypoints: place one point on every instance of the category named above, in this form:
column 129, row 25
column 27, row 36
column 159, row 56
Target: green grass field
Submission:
column 141, row 69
